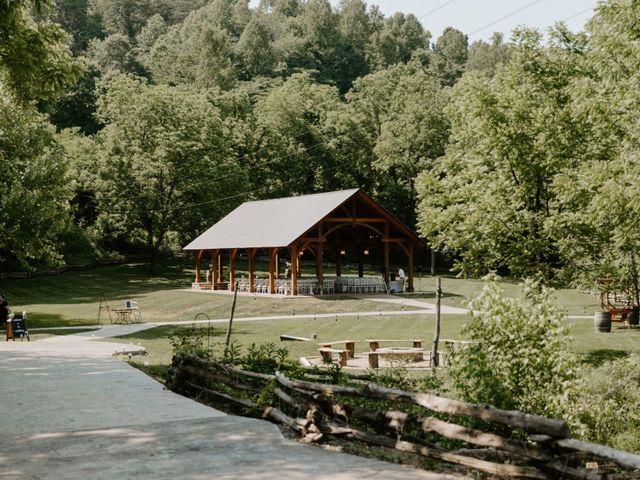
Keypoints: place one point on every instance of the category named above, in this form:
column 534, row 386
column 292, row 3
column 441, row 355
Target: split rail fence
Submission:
column 528, row 446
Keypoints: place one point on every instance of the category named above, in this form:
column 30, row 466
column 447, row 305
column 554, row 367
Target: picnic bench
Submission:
column 374, row 344
column 327, row 355
column 407, row 354
column 349, row 345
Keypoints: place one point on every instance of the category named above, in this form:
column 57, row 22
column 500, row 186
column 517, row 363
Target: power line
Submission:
column 505, row 17
column 590, row 9
column 436, row 9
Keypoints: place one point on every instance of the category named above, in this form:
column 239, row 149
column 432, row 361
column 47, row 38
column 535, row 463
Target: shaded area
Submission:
column 595, row 358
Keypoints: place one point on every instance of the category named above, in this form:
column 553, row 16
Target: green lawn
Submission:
column 73, row 298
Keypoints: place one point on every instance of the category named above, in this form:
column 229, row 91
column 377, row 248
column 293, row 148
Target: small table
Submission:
column 127, row 315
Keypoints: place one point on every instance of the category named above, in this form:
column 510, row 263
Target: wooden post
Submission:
column 215, row 257
column 433, row 262
column 220, row 268
column 227, row 340
column 232, row 268
column 360, row 262
column 338, row 262
column 320, row 265
column 385, row 243
column 198, row 258
column 273, row 256
column 294, row 269
column 251, row 252
column 277, row 260
column 436, row 338
column 410, row 280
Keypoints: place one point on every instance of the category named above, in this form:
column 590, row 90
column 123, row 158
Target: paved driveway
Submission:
column 70, row 411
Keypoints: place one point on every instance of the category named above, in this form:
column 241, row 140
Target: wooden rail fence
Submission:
column 538, row 448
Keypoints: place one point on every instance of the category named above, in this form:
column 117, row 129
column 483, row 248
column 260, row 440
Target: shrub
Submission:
column 604, row 404
column 520, row 357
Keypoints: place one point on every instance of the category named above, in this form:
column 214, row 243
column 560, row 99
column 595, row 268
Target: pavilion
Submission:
column 324, row 224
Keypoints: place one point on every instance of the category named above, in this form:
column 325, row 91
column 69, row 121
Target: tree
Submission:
column 450, row 55
column 519, row 358
column 34, row 200
column 395, row 39
column 600, row 229
column 254, row 51
column 35, row 60
column 115, row 53
column 167, row 168
column 293, row 140
column 493, row 200
column 402, row 109
column 197, row 52
column 485, row 57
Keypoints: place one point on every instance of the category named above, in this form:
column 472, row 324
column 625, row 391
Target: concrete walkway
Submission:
column 70, row 411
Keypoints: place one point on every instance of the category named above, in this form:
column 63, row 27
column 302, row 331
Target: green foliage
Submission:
column 604, row 404
column 264, row 358
column 35, row 60
column 165, row 163
column 519, row 358
column 34, row 199
column 190, row 340
column 495, row 198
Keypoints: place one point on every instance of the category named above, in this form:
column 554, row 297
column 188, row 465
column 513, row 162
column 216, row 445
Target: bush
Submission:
column 604, row 404
column 520, row 357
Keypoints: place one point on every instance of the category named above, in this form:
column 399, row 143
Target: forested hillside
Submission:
column 132, row 125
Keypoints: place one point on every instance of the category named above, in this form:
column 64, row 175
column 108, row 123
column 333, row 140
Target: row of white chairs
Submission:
column 310, row 286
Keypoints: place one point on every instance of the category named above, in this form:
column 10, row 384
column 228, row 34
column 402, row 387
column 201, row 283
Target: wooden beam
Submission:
column 198, row 258
column 410, row 280
column 320, row 265
column 214, row 269
column 277, row 260
column 295, row 261
column 232, row 268
column 251, row 252
column 220, row 269
column 312, row 239
column 355, row 219
column 385, row 244
column 273, row 256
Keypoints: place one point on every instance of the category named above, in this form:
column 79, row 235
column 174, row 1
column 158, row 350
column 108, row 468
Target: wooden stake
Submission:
column 233, row 309
column 436, row 338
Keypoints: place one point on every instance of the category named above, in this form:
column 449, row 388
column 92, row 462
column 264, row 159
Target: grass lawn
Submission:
column 72, row 299
column 593, row 347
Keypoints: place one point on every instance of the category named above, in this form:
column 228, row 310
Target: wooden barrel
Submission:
column 602, row 321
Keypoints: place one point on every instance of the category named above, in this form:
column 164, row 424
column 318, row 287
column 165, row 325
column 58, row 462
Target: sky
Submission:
column 480, row 18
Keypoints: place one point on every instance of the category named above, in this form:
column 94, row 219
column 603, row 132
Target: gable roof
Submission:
column 270, row 223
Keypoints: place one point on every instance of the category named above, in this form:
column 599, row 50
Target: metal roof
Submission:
column 270, row 223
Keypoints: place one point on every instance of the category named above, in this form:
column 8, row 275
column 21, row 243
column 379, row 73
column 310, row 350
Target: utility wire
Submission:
column 577, row 14
column 505, row 16
column 436, row 9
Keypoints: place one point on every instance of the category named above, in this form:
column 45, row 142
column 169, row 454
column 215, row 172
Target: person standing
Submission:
column 4, row 311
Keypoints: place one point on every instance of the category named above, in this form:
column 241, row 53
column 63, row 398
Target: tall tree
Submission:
column 34, row 200
column 395, row 39
column 402, row 109
column 485, row 57
column 450, row 55
column 293, row 140
column 35, row 60
column 493, row 200
column 601, row 231
column 168, row 170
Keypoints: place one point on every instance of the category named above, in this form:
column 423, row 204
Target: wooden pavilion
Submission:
column 323, row 225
